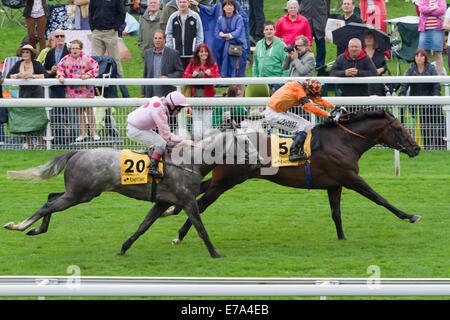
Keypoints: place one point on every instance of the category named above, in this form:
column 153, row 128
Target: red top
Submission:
column 289, row 30
column 209, row 89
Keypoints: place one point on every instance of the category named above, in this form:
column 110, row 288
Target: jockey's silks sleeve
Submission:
column 286, row 97
column 151, row 115
column 322, row 102
column 161, row 119
column 309, row 107
column 290, row 95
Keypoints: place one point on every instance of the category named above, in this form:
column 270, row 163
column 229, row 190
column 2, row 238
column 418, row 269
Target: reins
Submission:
column 350, row 131
column 354, row 133
column 192, row 165
column 181, row 167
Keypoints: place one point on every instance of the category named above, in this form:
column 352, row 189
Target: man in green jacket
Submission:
column 269, row 56
column 148, row 24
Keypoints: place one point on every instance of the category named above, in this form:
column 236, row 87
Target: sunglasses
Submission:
column 59, row 36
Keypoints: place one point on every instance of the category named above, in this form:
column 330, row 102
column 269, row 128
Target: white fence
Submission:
column 430, row 128
column 111, row 286
column 219, row 287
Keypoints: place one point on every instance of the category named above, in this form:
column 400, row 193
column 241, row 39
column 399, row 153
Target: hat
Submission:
column 176, row 99
column 28, row 47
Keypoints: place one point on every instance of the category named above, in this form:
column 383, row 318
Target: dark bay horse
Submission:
column 88, row 173
column 333, row 165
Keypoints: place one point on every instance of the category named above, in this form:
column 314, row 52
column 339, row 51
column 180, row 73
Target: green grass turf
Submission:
column 264, row 229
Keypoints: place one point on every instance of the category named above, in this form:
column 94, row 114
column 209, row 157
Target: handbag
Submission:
column 235, row 50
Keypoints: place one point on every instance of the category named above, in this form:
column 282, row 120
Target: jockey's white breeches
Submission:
column 286, row 121
column 147, row 138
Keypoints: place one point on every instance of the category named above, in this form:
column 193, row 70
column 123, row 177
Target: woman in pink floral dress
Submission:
column 77, row 65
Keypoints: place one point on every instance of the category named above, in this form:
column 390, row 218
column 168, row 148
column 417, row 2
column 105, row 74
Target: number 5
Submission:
column 283, row 149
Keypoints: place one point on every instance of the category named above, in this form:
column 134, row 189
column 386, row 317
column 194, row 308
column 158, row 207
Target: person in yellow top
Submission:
column 291, row 94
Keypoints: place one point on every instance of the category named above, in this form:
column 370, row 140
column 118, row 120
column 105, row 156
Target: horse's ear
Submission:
column 233, row 125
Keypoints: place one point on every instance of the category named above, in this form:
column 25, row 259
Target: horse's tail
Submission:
column 46, row 171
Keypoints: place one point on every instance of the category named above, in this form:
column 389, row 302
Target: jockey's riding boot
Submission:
column 297, row 146
column 153, row 171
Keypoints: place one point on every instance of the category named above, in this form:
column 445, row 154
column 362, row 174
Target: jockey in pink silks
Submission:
column 155, row 114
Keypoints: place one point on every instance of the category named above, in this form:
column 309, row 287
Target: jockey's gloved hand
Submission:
column 337, row 117
column 189, row 143
column 334, row 116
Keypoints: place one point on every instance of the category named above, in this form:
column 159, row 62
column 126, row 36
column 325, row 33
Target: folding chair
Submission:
column 9, row 11
column 8, row 92
column 6, row 66
column 8, row 63
column 103, row 115
column 257, row 90
column 254, row 120
column 404, row 50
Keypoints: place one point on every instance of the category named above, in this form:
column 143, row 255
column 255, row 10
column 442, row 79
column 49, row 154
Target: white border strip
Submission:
column 131, row 287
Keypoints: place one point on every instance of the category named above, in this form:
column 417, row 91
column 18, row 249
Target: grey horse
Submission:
column 88, row 173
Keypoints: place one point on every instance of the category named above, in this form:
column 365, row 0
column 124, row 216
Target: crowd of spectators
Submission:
column 205, row 39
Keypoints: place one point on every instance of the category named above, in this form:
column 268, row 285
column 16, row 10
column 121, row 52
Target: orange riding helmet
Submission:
column 312, row 87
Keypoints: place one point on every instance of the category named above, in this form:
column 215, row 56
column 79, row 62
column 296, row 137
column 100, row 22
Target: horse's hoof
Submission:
column 218, row 255
column 31, row 232
column 121, row 253
column 9, row 226
column 167, row 213
column 176, row 241
column 414, row 218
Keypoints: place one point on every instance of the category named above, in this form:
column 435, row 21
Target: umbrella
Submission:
column 342, row 35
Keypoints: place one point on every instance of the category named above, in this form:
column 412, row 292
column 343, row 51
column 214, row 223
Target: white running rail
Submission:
column 233, row 287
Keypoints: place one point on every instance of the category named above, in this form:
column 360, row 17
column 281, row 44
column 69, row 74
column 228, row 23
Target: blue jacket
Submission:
column 209, row 16
column 227, row 64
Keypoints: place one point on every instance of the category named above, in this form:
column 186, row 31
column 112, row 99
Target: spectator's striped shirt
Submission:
column 432, row 21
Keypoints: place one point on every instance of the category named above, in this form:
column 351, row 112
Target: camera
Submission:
column 290, row 48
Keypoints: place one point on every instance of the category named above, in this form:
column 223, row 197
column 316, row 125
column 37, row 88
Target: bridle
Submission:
column 399, row 146
column 395, row 135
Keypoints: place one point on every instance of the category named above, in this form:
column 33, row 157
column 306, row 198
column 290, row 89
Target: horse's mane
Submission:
column 356, row 116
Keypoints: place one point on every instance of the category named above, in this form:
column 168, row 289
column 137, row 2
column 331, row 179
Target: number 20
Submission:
column 140, row 166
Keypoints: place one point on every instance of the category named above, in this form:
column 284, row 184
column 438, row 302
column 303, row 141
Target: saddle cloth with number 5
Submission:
column 280, row 146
